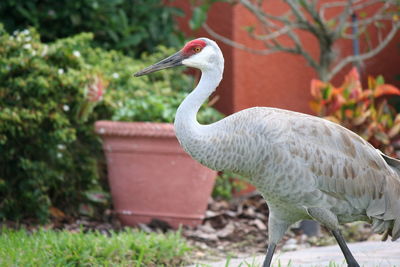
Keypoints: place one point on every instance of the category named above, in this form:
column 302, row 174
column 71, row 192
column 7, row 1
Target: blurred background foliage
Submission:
column 50, row 153
column 131, row 26
column 56, row 81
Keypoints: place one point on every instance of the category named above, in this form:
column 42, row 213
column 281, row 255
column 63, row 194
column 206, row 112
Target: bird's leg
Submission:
column 351, row 262
column 270, row 253
column 276, row 230
column 328, row 219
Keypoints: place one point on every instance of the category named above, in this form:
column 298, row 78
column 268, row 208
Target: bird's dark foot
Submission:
column 353, row 264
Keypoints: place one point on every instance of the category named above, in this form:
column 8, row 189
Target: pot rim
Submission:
column 129, row 129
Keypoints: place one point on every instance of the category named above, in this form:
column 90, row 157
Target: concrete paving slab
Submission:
column 368, row 254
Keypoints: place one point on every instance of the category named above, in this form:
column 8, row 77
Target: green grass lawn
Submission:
column 63, row 248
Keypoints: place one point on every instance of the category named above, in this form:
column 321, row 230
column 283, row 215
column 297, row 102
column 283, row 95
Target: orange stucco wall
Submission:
column 277, row 80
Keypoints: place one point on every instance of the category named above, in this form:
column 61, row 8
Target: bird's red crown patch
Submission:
column 193, row 47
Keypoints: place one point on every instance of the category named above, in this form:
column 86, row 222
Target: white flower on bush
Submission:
column 66, row 108
column 59, row 155
column 51, row 13
column 27, row 46
column 60, row 71
column 115, row 75
column 61, row 146
column 45, row 50
column 76, row 53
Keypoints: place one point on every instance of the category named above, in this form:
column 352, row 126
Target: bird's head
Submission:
column 201, row 53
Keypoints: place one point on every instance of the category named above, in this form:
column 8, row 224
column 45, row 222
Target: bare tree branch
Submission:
column 364, row 4
column 351, row 6
column 379, row 14
column 355, row 6
column 368, row 21
column 364, row 56
column 235, row 44
column 363, row 27
column 275, row 34
column 265, row 18
column 296, row 11
column 287, row 29
column 343, row 17
column 311, row 9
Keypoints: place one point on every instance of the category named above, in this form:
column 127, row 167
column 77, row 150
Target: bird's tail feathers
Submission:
column 385, row 211
column 392, row 162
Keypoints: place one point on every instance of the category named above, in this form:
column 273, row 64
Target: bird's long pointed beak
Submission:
column 169, row 62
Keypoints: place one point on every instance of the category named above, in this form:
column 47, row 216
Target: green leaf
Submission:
column 363, row 14
column 249, row 29
column 326, row 93
column 131, row 40
column 331, row 23
column 97, row 196
column 303, row 3
column 379, row 25
column 380, row 80
column 198, row 18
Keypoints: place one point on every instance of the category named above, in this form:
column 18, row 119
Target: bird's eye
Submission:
column 197, row 49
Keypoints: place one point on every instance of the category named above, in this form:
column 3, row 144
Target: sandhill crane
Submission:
column 304, row 166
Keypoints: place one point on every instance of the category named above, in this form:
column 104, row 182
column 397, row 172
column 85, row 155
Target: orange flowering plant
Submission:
column 364, row 111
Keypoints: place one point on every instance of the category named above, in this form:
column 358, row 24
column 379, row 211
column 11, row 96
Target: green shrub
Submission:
column 50, row 155
column 154, row 97
column 132, row 26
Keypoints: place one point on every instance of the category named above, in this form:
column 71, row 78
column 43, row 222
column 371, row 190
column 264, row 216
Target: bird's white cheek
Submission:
column 186, row 62
column 195, row 62
column 190, row 63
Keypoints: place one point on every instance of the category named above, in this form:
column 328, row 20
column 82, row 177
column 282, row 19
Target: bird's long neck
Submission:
column 186, row 124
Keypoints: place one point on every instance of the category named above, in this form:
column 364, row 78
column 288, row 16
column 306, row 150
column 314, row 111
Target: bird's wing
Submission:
column 342, row 161
column 392, row 162
column 346, row 166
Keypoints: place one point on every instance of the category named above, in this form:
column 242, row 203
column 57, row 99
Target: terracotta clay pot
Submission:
column 151, row 176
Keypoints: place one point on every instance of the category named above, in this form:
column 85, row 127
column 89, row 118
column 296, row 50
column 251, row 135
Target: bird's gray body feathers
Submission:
column 304, row 166
column 298, row 162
